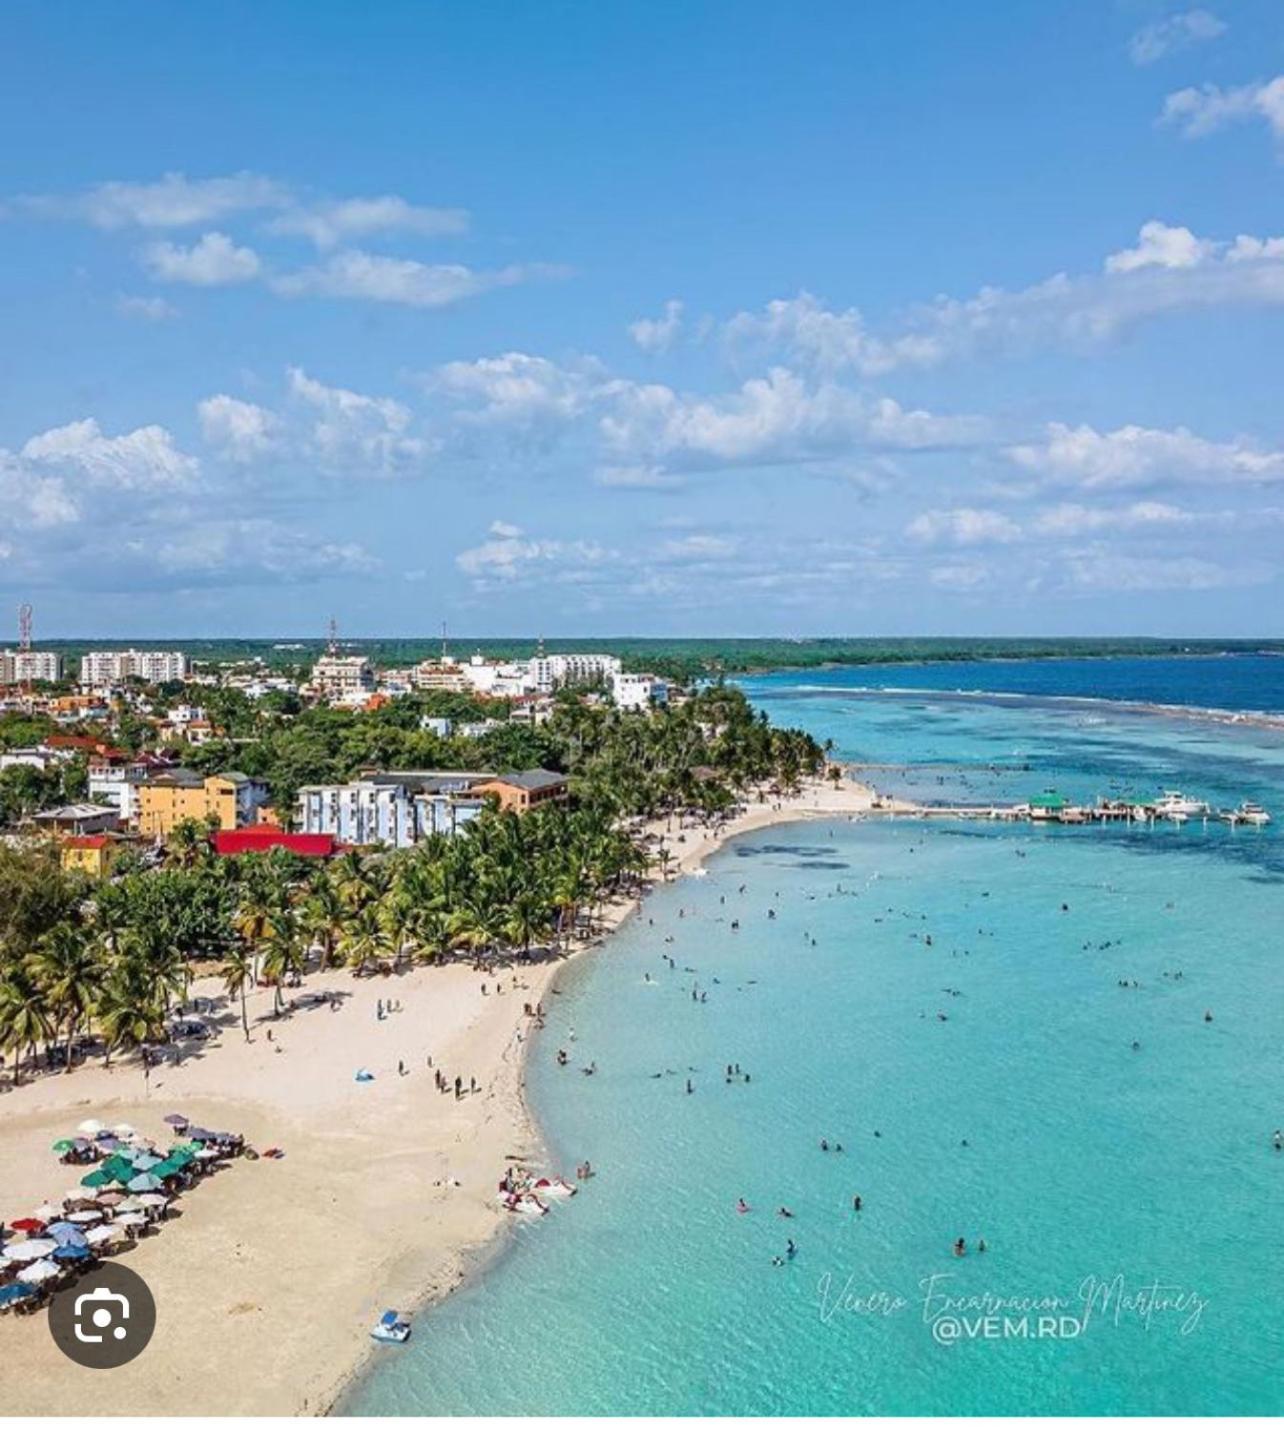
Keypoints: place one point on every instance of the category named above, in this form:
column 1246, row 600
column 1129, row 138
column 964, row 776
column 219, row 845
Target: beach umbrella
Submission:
column 177, row 1120
column 15, row 1292
column 70, row 1252
column 88, row 1215
column 109, row 1143
column 48, row 1211
column 130, row 1219
column 144, row 1162
column 123, row 1130
column 101, row 1236
column 129, row 1204
column 152, row 1200
column 64, row 1145
column 119, row 1168
column 66, row 1234
column 109, row 1199
column 206, row 1154
column 89, row 1127
column 41, row 1271
column 200, row 1135
column 99, row 1178
column 28, row 1224
column 32, row 1248
column 144, row 1183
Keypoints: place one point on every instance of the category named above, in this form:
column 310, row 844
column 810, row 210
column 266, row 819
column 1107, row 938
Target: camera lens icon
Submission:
column 105, row 1318
column 112, row 1307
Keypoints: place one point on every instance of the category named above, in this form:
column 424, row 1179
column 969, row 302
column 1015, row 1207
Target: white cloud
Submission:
column 519, row 386
column 1135, row 456
column 510, row 554
column 697, row 547
column 657, row 335
column 961, row 576
column 769, row 420
column 357, row 434
column 143, row 460
column 1204, row 110
column 376, row 278
column 212, row 261
column 335, row 221
column 173, row 201
column 1171, row 35
column 1069, row 519
column 32, row 500
column 241, row 431
column 809, row 333
column 1161, row 246
column 963, row 527
column 151, row 310
column 654, row 479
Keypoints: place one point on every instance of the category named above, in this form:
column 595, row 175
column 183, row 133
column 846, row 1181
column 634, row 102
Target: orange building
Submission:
column 522, row 790
column 230, row 799
column 90, row 854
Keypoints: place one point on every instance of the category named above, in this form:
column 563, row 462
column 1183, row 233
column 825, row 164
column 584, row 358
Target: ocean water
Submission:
column 1092, row 1134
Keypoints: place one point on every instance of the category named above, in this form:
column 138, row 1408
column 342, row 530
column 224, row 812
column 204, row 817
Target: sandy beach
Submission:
column 268, row 1280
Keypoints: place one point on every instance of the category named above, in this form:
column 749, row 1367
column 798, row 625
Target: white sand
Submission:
column 268, row 1283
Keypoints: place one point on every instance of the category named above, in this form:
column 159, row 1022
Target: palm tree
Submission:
column 237, row 974
column 69, row 973
column 24, row 1016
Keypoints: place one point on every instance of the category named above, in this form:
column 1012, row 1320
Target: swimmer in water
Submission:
column 960, row 1248
column 742, row 1205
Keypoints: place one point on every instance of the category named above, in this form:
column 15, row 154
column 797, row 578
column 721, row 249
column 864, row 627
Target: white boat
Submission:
column 1247, row 813
column 391, row 1328
column 1178, row 817
column 1172, row 803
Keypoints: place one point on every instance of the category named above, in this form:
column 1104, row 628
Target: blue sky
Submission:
column 662, row 319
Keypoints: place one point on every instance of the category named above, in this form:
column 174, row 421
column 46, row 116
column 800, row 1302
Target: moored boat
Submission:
column 391, row 1327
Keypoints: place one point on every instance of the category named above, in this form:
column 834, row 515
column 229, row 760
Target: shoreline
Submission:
column 386, row 1193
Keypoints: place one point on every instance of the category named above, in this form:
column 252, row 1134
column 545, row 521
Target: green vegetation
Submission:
column 114, row 959
column 689, row 659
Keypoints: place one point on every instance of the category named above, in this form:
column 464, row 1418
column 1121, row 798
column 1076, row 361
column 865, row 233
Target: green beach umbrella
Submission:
column 99, row 1178
column 64, row 1145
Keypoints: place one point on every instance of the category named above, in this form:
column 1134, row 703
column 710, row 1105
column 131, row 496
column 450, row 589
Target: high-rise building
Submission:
column 114, row 668
column 19, row 667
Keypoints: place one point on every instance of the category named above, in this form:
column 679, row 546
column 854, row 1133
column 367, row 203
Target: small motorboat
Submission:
column 1173, row 803
column 391, row 1327
column 1247, row 813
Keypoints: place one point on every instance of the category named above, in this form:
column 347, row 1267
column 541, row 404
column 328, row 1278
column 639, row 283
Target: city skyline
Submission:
column 363, row 315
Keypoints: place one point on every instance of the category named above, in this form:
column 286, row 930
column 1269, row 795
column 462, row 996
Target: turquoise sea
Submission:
column 1096, row 1134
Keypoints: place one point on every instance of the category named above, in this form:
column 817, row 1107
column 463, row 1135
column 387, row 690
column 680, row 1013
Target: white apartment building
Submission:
column 548, row 673
column 338, row 677
column 504, row 681
column 394, row 808
column 18, row 667
column 114, row 668
column 438, row 676
column 639, row 690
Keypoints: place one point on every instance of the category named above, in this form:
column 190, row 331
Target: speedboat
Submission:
column 1173, row 803
column 1247, row 813
column 391, row 1328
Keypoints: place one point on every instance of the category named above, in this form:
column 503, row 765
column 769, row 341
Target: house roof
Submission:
column 86, row 842
column 266, row 837
column 77, row 812
column 531, row 779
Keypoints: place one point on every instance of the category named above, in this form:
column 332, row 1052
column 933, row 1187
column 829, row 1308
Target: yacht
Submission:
column 1173, row 803
column 1247, row 813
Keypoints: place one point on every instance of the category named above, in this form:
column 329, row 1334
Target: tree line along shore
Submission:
column 98, row 969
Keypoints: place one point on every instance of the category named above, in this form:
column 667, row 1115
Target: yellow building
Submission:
column 230, row 800
column 89, row 854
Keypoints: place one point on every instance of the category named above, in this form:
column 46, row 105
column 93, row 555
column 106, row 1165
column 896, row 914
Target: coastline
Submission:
column 380, row 1201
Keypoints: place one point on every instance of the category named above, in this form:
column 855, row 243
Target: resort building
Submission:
column 20, row 667
column 102, row 669
column 231, row 799
column 522, row 790
column 114, row 779
column 393, row 807
column 638, row 691
column 549, row 673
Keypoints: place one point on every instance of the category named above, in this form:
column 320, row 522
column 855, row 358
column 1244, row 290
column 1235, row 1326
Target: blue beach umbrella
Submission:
column 71, row 1253
column 66, row 1233
column 144, row 1183
column 15, row 1292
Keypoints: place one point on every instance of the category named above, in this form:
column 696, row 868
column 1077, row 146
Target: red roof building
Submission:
column 256, row 839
